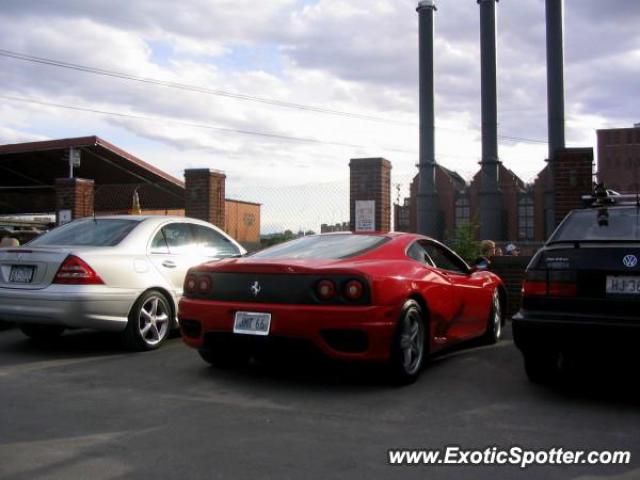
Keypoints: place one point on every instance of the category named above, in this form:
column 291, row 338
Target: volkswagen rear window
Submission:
column 599, row 225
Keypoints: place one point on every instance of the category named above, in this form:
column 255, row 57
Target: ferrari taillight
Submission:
column 190, row 283
column 75, row 271
column 353, row 290
column 325, row 289
column 197, row 283
column 204, row 285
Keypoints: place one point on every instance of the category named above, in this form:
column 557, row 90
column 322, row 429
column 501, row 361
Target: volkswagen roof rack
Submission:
column 602, row 197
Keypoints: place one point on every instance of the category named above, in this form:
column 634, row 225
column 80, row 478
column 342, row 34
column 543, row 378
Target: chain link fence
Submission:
column 301, row 208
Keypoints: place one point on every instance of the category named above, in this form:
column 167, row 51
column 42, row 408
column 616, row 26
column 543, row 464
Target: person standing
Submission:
column 8, row 242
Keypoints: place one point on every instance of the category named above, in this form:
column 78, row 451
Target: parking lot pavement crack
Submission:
column 66, row 458
column 47, row 364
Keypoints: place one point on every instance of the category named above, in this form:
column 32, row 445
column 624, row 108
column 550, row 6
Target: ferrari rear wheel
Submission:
column 408, row 349
column 493, row 332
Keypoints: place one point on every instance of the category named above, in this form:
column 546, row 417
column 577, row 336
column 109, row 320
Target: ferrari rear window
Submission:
column 329, row 247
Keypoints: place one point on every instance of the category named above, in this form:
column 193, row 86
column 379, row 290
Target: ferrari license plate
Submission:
column 252, row 323
column 21, row 274
column 623, row 285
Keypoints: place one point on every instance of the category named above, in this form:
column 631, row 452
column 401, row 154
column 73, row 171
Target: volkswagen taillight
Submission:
column 550, row 283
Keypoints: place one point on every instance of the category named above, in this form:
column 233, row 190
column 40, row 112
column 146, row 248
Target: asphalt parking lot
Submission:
column 85, row 408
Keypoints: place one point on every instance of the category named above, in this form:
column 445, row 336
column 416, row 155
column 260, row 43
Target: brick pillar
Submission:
column 74, row 196
column 205, row 196
column 371, row 180
column 573, row 177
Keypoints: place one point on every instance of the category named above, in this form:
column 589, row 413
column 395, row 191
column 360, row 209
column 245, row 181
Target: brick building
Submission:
column 338, row 227
column 523, row 205
column 619, row 158
column 38, row 178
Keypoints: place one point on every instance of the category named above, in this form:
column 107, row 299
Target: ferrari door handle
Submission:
column 169, row 264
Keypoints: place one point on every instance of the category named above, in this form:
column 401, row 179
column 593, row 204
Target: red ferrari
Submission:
column 390, row 298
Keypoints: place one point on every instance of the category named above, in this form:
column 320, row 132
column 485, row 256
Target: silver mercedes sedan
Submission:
column 116, row 273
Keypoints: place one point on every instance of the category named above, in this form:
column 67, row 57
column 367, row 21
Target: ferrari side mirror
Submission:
column 479, row 265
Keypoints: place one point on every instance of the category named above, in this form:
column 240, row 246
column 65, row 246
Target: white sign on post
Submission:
column 365, row 215
column 64, row 216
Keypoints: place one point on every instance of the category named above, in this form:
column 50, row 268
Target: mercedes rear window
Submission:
column 329, row 247
column 599, row 225
column 88, row 233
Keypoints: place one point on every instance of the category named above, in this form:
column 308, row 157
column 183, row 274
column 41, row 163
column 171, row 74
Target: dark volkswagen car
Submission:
column 581, row 292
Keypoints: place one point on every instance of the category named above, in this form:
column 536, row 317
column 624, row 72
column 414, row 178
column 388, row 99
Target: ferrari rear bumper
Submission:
column 360, row 333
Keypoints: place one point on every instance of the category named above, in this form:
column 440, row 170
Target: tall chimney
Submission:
column 427, row 197
column 555, row 101
column 555, row 75
column 490, row 195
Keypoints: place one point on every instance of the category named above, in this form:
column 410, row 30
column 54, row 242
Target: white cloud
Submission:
column 354, row 56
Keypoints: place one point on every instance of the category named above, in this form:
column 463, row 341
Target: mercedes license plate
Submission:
column 252, row 323
column 21, row 274
column 623, row 285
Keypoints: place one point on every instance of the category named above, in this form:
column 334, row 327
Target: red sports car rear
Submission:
column 391, row 298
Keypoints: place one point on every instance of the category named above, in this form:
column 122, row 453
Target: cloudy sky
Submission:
column 320, row 81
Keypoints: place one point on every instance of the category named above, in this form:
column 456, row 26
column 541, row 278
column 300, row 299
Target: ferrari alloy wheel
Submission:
column 41, row 333
column 408, row 349
column 149, row 322
column 494, row 325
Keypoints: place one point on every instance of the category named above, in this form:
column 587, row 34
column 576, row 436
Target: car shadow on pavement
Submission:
column 600, row 379
column 4, row 325
column 302, row 373
column 314, row 371
column 75, row 343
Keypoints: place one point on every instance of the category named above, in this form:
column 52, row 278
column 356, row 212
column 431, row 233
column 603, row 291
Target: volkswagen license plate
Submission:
column 21, row 274
column 252, row 323
column 623, row 285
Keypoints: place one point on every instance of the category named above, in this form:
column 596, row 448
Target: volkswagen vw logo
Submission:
column 630, row 261
column 255, row 288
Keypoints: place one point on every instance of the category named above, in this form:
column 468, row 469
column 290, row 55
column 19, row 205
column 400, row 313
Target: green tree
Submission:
column 463, row 241
column 275, row 238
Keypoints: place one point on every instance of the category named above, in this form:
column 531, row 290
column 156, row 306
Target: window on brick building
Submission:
column 525, row 218
column 462, row 213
